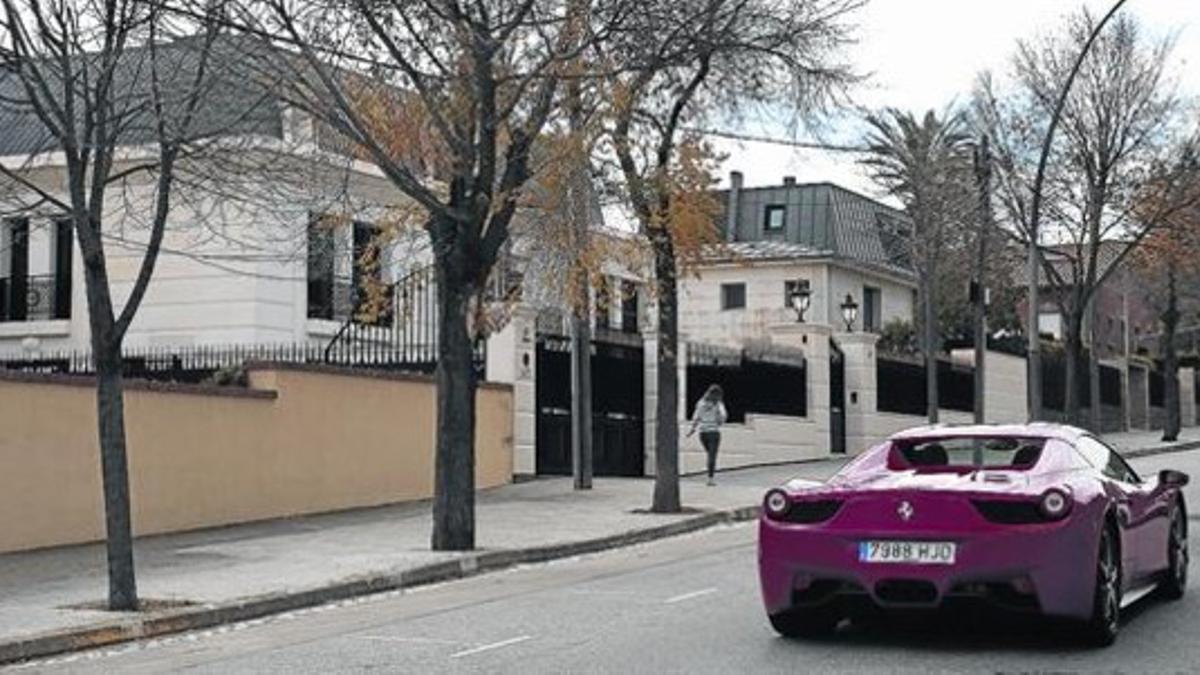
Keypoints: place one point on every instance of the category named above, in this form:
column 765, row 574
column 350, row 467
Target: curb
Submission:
column 253, row 607
column 1167, row 449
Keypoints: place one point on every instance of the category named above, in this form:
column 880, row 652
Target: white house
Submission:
column 837, row 243
column 263, row 245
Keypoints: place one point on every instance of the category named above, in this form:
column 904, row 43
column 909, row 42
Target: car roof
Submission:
column 1033, row 430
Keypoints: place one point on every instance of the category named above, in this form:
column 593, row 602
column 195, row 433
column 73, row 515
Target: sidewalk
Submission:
column 370, row 547
column 1141, row 443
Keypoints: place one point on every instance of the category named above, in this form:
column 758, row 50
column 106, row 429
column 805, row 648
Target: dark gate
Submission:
column 553, row 433
column 617, row 400
column 837, row 399
column 617, row 404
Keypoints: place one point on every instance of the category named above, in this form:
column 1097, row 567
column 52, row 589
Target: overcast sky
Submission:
column 923, row 54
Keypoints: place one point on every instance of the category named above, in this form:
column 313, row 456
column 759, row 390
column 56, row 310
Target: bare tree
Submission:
column 1119, row 121
column 97, row 85
column 926, row 164
column 674, row 62
column 478, row 84
column 1168, row 266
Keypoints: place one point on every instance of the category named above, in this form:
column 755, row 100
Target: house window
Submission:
column 603, row 303
column 342, row 285
column 63, row 268
column 629, row 307
column 14, row 280
column 322, row 253
column 367, row 276
column 733, row 296
column 773, row 217
column 872, row 309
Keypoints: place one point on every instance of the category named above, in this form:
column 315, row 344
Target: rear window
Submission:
column 967, row 453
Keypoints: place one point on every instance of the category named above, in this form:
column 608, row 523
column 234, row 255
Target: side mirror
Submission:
column 1172, row 478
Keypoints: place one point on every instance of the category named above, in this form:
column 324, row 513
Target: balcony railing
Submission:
column 34, row 298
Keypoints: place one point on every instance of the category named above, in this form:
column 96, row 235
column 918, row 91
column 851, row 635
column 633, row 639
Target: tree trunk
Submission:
column 454, row 473
column 110, row 414
column 666, row 435
column 1074, row 352
column 1096, row 414
column 581, row 326
column 930, row 347
column 110, row 418
column 1171, row 361
column 581, row 398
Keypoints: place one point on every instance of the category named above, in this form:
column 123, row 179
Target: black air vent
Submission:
column 812, row 512
column 1007, row 512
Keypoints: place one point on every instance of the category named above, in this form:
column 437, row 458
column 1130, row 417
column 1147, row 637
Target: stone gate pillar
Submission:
column 861, row 387
column 512, row 359
column 1187, row 396
column 649, row 396
column 813, row 339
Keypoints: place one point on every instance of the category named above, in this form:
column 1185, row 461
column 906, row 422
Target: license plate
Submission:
column 910, row 552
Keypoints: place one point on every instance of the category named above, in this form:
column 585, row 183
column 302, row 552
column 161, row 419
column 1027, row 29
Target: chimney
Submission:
column 789, row 181
column 731, row 208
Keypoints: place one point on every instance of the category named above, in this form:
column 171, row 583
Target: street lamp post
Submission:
column 849, row 312
column 1033, row 360
column 800, row 298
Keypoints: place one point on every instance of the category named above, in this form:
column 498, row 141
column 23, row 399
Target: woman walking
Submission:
column 708, row 417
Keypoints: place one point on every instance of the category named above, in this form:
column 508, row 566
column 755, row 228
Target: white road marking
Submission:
column 411, row 640
column 489, row 647
column 689, row 596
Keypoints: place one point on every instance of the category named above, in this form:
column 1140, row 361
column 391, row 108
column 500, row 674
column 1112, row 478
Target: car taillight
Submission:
column 779, row 506
column 1055, row 504
column 776, row 504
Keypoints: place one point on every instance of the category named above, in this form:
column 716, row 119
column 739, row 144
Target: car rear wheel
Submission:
column 799, row 623
column 1174, row 581
column 1101, row 629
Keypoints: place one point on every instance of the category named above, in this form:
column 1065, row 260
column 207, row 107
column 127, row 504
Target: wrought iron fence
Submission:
column 202, row 363
column 901, row 386
column 763, row 379
column 1054, row 382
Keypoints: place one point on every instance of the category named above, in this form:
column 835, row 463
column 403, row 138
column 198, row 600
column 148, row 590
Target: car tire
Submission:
column 1174, row 582
column 805, row 623
column 1101, row 629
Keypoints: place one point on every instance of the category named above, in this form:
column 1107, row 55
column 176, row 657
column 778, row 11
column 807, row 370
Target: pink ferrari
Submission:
column 1039, row 518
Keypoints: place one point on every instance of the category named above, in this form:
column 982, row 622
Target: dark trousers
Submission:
column 711, row 440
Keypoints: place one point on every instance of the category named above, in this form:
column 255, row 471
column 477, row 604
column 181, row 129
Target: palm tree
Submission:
column 925, row 164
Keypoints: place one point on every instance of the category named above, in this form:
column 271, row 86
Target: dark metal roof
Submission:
column 823, row 217
column 232, row 102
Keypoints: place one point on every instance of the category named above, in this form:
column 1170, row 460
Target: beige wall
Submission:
column 299, row 441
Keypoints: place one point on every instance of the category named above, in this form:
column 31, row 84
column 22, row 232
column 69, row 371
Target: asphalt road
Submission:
column 688, row 604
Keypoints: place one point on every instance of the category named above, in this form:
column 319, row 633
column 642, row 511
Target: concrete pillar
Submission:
column 512, row 359
column 813, row 338
column 1139, row 393
column 650, row 396
column 861, row 388
column 1187, row 396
